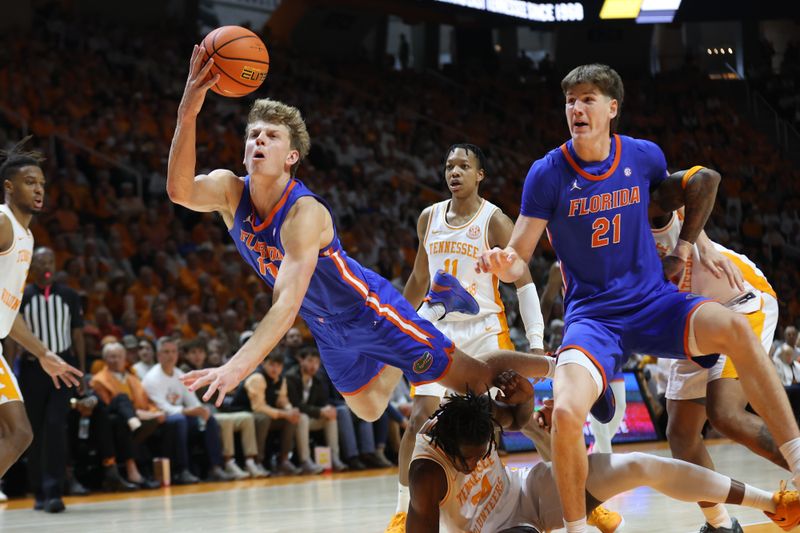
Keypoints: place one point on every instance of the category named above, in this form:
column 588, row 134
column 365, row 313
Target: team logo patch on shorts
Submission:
column 423, row 363
column 474, row 232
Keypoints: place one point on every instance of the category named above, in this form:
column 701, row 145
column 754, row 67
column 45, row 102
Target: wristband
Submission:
column 682, row 250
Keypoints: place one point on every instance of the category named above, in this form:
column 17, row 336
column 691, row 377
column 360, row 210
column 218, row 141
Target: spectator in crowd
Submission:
column 292, row 344
column 131, row 345
column 789, row 341
column 131, row 414
column 147, row 357
column 196, row 324
column 229, row 331
column 242, row 422
column 266, row 395
column 188, row 417
column 54, row 314
column 310, row 394
column 788, row 367
column 104, row 322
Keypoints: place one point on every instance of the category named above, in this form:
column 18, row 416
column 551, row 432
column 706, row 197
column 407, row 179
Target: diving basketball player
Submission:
column 367, row 333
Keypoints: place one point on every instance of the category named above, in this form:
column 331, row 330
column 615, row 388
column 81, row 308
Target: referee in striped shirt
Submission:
column 53, row 313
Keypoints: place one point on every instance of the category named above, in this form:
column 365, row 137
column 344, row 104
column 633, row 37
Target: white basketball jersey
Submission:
column 480, row 501
column 698, row 279
column 455, row 249
column 14, row 264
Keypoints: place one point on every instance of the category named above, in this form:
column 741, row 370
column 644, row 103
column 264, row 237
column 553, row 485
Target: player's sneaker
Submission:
column 447, row 290
column 787, row 512
column 603, row 409
column 735, row 528
column 604, row 520
column 398, row 524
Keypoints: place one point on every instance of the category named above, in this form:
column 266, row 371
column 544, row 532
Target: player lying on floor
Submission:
column 457, row 479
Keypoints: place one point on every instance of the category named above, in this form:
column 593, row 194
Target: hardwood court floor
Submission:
column 344, row 503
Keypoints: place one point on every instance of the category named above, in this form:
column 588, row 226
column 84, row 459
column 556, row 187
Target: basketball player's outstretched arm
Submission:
column 211, row 192
column 696, row 192
column 510, row 263
column 420, row 279
column 306, row 225
column 54, row 365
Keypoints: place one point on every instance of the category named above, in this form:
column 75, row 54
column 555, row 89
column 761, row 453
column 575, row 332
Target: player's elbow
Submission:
column 707, row 178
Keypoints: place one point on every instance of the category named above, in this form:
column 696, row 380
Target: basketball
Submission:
column 240, row 58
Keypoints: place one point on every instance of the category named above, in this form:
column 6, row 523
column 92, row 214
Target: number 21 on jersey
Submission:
column 601, row 226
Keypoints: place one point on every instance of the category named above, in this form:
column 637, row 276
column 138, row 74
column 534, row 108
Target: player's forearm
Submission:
column 415, row 290
column 269, row 332
column 522, row 414
column 182, row 158
column 700, row 194
column 531, row 314
column 21, row 333
column 527, row 365
column 516, row 270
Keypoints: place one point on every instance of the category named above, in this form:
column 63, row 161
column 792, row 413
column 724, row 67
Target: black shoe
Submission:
column 74, row 488
column 148, row 484
column 735, row 528
column 54, row 505
column 185, row 478
column 113, row 482
column 373, row 461
column 354, row 463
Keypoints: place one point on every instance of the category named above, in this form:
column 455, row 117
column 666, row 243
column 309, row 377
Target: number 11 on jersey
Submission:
column 451, row 267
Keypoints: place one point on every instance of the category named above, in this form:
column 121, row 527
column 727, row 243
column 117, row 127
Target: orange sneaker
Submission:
column 398, row 524
column 787, row 512
column 604, row 520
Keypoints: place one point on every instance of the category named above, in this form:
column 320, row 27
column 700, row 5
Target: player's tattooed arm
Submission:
column 696, row 191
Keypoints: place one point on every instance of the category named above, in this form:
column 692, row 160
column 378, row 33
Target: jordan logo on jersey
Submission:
column 575, row 186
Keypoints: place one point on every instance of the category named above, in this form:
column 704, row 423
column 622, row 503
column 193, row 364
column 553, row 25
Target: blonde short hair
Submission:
column 275, row 112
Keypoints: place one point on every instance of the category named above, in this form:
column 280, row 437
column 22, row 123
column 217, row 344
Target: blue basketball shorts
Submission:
column 386, row 330
column 658, row 327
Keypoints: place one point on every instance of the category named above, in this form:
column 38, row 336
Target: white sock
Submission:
column 758, row 499
column 431, row 312
column 134, row 423
column 249, row 462
column 791, row 452
column 230, row 461
column 403, row 498
column 717, row 516
column 578, row 526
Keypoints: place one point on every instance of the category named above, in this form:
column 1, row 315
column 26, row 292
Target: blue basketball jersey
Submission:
column 598, row 224
column 338, row 284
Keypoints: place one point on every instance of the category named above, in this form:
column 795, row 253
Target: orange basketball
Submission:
column 240, row 58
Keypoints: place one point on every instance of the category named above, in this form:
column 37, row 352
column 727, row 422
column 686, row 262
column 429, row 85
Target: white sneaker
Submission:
column 256, row 470
column 3, row 497
column 233, row 470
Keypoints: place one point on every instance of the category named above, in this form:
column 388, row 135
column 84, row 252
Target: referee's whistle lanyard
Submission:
column 47, row 291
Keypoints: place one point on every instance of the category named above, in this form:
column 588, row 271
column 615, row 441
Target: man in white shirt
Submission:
column 786, row 364
column 185, row 414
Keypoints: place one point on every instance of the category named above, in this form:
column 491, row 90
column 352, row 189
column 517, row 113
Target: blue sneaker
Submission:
column 447, row 290
column 603, row 409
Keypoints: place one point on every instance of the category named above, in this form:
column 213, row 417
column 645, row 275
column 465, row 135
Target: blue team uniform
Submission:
column 617, row 301
column 359, row 321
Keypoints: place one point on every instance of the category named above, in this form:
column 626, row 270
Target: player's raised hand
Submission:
column 514, row 389
column 57, row 368
column 199, row 81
